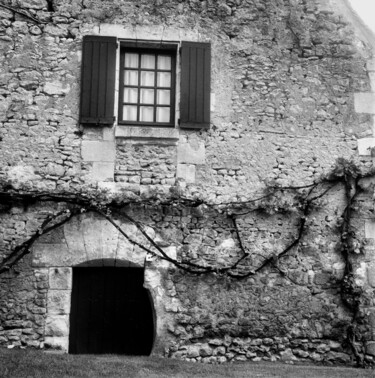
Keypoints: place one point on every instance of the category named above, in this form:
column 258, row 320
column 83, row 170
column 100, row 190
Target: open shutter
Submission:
column 195, row 85
column 98, row 80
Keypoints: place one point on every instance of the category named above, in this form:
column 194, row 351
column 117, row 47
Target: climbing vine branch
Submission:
column 301, row 200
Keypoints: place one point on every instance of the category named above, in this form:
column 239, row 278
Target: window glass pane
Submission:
column 129, row 113
column 163, row 114
column 163, row 97
column 130, row 95
column 147, row 61
column 147, row 96
column 164, row 62
column 131, row 77
column 147, row 78
column 146, row 113
column 131, row 60
column 164, row 79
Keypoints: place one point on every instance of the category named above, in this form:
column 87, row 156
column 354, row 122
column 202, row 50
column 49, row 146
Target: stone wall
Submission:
column 292, row 90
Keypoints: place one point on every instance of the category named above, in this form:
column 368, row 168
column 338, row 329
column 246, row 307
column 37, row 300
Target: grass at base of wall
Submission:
column 37, row 364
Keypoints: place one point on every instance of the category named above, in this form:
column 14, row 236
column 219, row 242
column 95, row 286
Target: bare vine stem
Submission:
column 346, row 174
column 21, row 12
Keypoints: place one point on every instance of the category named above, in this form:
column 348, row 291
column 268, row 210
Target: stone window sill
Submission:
column 137, row 132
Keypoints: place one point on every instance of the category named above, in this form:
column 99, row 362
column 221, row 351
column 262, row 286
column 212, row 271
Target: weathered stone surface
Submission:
column 186, row 172
column 147, row 132
column 60, row 278
column 56, row 88
column 98, row 151
column 59, row 343
column 57, row 326
column 365, row 146
column 371, row 275
column 35, row 4
column 46, row 255
column 364, row 103
column 102, row 171
column 283, row 114
column 191, row 152
column 370, row 229
column 58, row 302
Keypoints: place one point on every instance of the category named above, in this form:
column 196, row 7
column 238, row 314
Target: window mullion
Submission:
column 155, row 85
column 139, row 88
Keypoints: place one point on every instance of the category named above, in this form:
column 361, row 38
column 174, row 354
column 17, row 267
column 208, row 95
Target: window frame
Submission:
column 154, row 49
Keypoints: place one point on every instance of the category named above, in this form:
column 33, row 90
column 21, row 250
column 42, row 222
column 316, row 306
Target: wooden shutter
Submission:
column 98, row 80
column 195, row 85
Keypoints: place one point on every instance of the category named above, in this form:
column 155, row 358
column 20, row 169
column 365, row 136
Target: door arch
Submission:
column 111, row 311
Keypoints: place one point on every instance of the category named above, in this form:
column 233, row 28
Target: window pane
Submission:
column 131, row 60
column 129, row 113
column 164, row 62
column 146, row 113
column 147, row 61
column 163, row 114
column 131, row 77
column 147, row 96
column 131, row 95
column 163, row 97
column 164, row 79
column 147, row 78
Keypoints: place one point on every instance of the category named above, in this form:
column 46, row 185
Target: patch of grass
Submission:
column 37, row 364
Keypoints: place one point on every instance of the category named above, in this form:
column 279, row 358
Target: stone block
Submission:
column 91, row 231
column 74, row 239
column 186, row 172
column 103, row 151
column 370, row 229
column 361, row 274
column 108, row 134
column 60, row 278
column 56, row 88
column 192, row 152
column 47, row 255
column 124, row 247
column 60, row 343
column 35, row 4
column 372, row 80
column 364, row 103
column 365, row 145
column 322, row 278
column 371, row 275
column 370, row 348
column 371, row 318
column 102, row 171
column 57, row 325
column 111, row 187
column 109, row 236
column 58, row 302
column 371, row 65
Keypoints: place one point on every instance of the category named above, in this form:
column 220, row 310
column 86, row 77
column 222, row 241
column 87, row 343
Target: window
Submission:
column 147, row 83
column 147, row 87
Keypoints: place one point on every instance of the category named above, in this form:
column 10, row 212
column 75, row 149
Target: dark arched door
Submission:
column 110, row 312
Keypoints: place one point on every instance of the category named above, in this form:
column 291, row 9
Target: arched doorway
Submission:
column 111, row 311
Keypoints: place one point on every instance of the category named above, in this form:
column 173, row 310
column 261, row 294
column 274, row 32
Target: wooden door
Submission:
column 110, row 312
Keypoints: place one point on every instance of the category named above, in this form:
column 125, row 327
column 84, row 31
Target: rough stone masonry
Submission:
column 292, row 91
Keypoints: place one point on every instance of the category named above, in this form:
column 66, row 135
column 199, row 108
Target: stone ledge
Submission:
column 147, row 132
